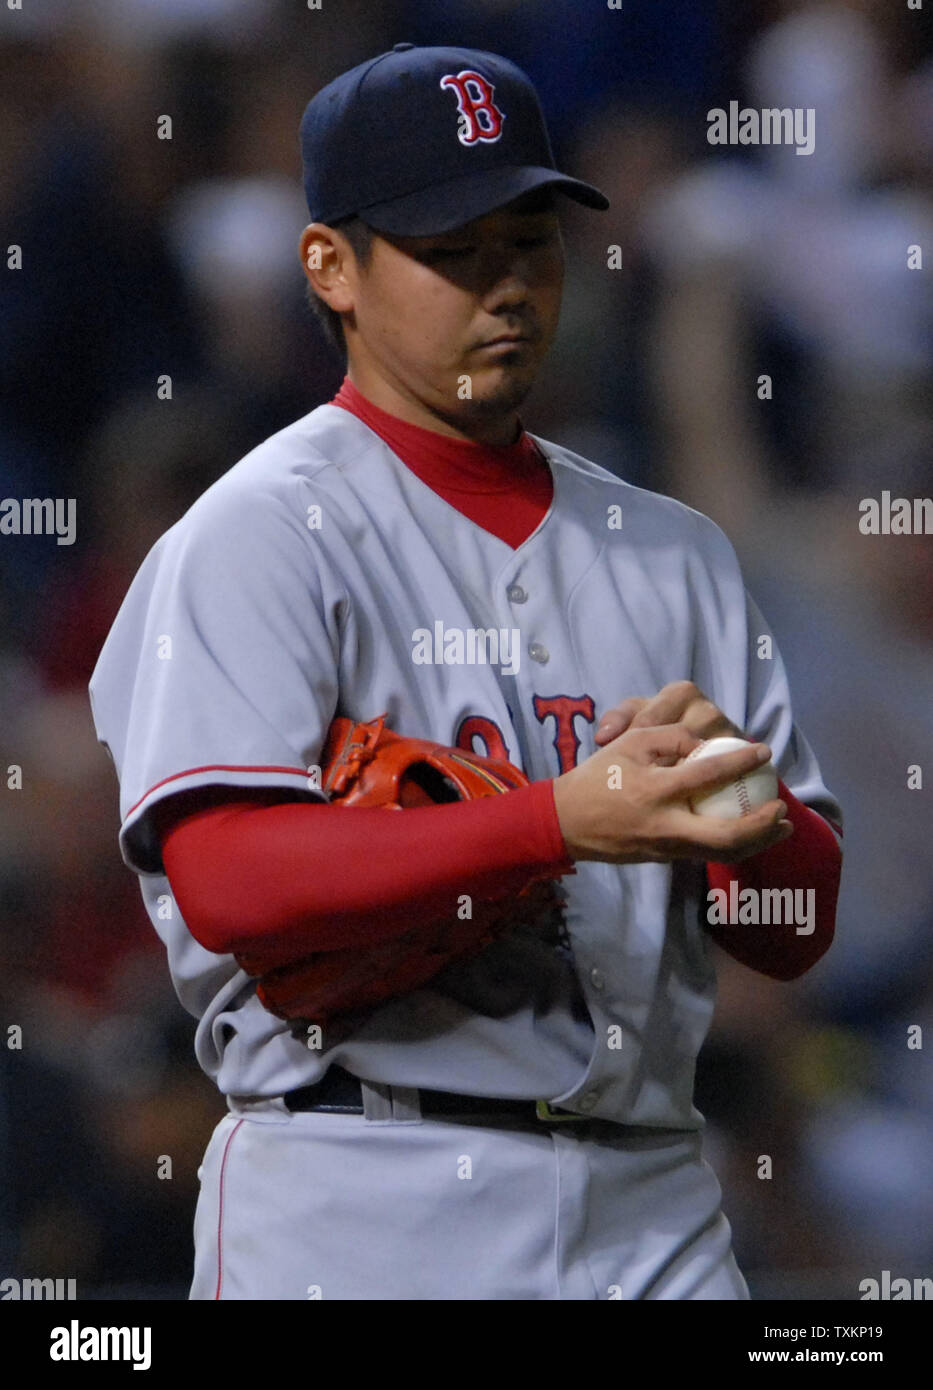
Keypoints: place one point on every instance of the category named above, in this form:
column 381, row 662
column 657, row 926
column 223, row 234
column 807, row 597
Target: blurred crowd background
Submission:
column 144, row 256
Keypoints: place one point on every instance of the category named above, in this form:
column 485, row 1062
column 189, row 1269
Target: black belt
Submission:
column 339, row 1092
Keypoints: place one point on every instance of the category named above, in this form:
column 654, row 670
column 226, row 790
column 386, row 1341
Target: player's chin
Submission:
column 502, row 387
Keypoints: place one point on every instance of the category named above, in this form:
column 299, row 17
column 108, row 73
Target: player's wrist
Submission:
column 563, row 799
column 587, row 836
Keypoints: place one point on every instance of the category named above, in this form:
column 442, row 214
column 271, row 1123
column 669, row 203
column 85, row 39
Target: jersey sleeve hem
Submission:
column 139, row 844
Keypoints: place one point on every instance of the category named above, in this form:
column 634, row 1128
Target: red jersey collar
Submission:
column 450, row 465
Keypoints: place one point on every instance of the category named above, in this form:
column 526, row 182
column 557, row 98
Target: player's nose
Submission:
column 510, row 291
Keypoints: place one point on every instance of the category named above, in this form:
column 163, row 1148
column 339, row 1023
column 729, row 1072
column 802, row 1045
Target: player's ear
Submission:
column 326, row 260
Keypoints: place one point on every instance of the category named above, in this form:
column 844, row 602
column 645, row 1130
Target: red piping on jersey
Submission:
column 213, row 767
column 220, row 1211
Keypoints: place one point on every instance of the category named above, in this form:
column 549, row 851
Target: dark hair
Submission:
column 360, row 236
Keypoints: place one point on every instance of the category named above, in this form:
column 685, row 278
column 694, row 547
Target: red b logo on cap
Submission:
column 480, row 117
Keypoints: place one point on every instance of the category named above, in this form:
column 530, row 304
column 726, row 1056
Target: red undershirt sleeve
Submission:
column 287, row 879
column 810, row 859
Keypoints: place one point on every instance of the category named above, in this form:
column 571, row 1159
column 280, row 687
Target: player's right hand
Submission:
column 629, row 802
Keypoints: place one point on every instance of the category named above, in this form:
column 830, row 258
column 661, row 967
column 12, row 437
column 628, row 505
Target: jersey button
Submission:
column 539, row 653
column 596, row 978
column 515, row 593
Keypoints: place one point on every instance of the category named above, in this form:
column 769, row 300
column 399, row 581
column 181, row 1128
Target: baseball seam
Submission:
column 740, row 784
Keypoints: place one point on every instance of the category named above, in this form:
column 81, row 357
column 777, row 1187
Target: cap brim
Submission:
column 444, row 206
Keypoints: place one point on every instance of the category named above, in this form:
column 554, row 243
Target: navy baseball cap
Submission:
column 421, row 140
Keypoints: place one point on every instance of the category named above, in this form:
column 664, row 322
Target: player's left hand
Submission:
column 681, row 702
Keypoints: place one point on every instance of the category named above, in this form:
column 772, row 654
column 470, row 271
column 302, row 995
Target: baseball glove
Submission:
column 366, row 764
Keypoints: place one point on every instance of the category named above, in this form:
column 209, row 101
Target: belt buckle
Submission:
column 547, row 1113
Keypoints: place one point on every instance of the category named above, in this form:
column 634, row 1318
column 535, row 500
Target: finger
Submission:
column 747, row 849
column 706, row 720
column 666, row 745
column 701, row 717
column 669, row 705
column 708, row 774
column 729, row 841
column 616, row 720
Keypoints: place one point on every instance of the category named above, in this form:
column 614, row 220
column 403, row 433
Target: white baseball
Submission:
column 740, row 797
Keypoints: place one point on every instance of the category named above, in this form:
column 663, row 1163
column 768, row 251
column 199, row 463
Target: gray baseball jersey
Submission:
column 321, row 576
column 300, row 586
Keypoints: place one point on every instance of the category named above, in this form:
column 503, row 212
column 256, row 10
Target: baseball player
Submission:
column 521, row 1125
